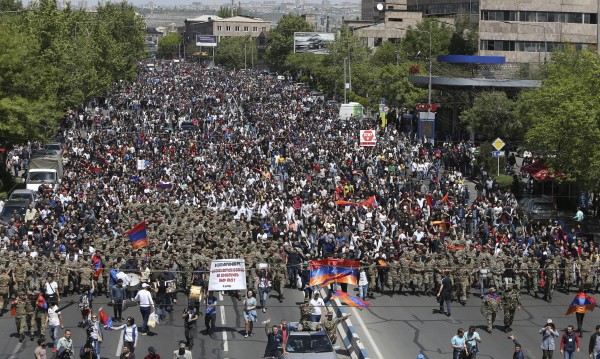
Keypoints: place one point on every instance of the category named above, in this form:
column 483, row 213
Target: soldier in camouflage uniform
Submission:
column 550, row 271
column 40, row 317
column 464, row 275
column 568, row 273
column 279, row 280
column 497, row 270
column 393, row 274
column 490, row 305
column 533, row 276
column 511, row 301
column 372, row 271
column 305, row 316
column 428, row 275
column 20, row 275
column 330, row 326
column 418, row 268
column 21, row 307
column 30, row 316
column 5, row 281
column 403, row 273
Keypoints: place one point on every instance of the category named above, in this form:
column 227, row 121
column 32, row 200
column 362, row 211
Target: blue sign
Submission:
column 497, row 153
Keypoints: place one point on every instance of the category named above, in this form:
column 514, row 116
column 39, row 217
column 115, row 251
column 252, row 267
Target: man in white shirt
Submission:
column 54, row 320
column 144, row 298
column 51, row 290
column 317, row 304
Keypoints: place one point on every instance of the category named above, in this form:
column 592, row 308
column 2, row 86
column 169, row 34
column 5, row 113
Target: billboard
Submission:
column 206, row 40
column 312, row 42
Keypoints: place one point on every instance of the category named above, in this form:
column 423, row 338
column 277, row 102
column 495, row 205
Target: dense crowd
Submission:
column 256, row 176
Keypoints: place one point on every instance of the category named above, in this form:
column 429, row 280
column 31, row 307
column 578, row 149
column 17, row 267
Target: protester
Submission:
column 65, row 344
column 472, row 340
column 152, row 354
column 190, row 317
column 130, row 333
column 40, row 350
column 146, row 303
column 518, row 354
column 569, row 343
column 210, row 315
column 182, row 352
column 54, row 321
column 548, row 332
column 275, row 341
column 458, row 344
column 249, row 313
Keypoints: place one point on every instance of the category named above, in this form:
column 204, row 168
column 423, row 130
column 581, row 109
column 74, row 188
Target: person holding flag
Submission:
column 580, row 304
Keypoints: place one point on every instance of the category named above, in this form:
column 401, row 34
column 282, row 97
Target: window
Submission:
column 499, row 15
column 227, row 28
column 237, row 28
column 254, row 28
column 245, row 28
column 573, row 18
column 497, row 45
column 219, row 28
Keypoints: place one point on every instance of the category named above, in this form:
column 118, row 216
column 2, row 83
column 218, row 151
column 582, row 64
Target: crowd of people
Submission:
column 257, row 176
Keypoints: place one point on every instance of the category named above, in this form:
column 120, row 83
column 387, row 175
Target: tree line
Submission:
column 53, row 60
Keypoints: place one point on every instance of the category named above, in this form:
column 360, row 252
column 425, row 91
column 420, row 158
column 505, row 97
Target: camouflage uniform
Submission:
column 511, row 300
column 568, row 280
column 40, row 320
column 533, row 281
column 372, row 278
column 4, row 289
column 21, row 307
column 428, row 280
column 489, row 308
column 404, row 272
column 330, row 326
column 551, row 272
column 305, row 317
column 418, row 275
column 497, row 272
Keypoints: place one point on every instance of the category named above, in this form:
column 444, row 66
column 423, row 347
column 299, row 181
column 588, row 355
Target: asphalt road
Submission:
column 227, row 343
column 404, row 326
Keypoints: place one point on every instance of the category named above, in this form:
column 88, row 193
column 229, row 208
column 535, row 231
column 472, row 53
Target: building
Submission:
column 445, row 8
column 388, row 24
column 236, row 26
column 527, row 31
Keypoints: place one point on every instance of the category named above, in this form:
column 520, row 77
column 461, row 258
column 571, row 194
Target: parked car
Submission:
column 308, row 344
column 538, row 208
column 24, row 194
column 18, row 206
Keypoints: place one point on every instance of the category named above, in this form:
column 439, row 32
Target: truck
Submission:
column 47, row 170
column 352, row 108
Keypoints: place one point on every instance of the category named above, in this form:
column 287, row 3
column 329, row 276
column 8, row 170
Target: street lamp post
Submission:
column 345, row 80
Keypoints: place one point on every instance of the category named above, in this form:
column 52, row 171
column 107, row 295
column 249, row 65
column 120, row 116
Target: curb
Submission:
column 348, row 334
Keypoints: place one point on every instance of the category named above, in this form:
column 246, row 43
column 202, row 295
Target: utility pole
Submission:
column 252, row 55
column 345, row 80
column 244, row 56
column 349, row 68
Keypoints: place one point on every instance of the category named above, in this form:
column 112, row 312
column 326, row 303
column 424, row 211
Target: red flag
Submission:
column 445, row 198
column 430, row 201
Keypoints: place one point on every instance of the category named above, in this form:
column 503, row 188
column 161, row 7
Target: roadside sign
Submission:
column 368, row 138
column 498, row 144
column 497, row 153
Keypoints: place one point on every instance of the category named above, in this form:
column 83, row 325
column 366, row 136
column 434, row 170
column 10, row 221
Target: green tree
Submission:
column 417, row 39
column 280, row 41
column 465, row 37
column 230, row 52
column 168, row 45
column 386, row 54
column 564, row 116
column 226, row 11
column 391, row 82
column 493, row 115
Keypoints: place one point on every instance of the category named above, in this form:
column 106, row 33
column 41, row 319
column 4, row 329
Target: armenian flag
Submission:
column 138, row 236
column 326, row 271
column 105, row 319
column 342, row 202
column 350, row 300
column 581, row 303
column 369, row 202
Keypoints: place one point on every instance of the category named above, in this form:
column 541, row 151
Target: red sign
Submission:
column 422, row 107
column 368, row 138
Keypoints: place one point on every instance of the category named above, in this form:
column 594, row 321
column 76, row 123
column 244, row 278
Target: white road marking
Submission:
column 223, row 322
column 16, row 351
column 372, row 346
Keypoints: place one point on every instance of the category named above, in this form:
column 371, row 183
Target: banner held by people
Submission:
column 227, row 274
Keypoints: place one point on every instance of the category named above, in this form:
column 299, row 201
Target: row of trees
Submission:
column 52, row 60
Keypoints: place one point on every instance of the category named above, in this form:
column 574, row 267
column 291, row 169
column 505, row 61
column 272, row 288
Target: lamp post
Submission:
column 535, row 25
column 345, row 80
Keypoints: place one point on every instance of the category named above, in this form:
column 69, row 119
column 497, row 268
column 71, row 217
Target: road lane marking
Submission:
column 223, row 322
column 367, row 334
column 15, row 352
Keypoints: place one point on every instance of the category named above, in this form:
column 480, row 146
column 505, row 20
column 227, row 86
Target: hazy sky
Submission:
column 220, row 2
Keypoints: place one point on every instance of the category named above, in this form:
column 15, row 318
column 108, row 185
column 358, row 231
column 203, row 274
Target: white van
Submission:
column 352, row 108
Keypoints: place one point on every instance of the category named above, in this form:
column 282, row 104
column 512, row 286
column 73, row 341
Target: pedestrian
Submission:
column 130, row 333
column 594, row 346
column 363, row 283
column 65, row 345
column 127, row 353
column 190, row 317
column 318, row 305
column 518, row 354
column 54, row 319
column 275, row 341
column 548, row 333
column 182, row 352
column 249, row 313
column 580, row 304
column 152, row 353
column 117, row 299
column 458, row 344
column 569, row 343
column 210, row 315
column 472, row 340
column 95, row 334
column 511, row 301
column 144, row 298
column 40, row 350
column 489, row 308
column 444, row 294
column 264, row 287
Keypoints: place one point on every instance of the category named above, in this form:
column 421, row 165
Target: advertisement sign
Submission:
column 206, row 40
column 227, row 274
column 312, row 42
column 427, row 125
column 368, row 138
